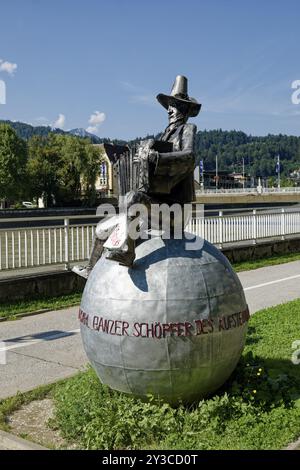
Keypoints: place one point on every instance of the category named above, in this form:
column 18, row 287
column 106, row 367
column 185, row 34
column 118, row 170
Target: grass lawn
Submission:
column 261, row 263
column 9, row 310
column 258, row 408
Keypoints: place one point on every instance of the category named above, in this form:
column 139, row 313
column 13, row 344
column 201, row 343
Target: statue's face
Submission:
column 175, row 114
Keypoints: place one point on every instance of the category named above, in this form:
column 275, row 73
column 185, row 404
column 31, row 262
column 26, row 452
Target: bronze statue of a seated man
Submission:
column 166, row 174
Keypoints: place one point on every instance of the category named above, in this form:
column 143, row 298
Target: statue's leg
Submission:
column 177, row 223
column 126, row 256
column 96, row 252
column 103, row 231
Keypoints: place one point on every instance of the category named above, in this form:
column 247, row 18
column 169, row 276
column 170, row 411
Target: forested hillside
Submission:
column 259, row 153
column 26, row 131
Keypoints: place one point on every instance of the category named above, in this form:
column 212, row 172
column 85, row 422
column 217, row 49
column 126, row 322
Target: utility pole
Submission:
column 278, row 171
column 243, row 159
column 201, row 171
column 217, row 173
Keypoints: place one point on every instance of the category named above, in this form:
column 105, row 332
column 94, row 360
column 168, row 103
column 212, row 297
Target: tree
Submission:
column 42, row 169
column 71, row 155
column 89, row 172
column 78, row 168
column 62, row 169
column 13, row 156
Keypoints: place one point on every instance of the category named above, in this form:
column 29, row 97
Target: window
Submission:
column 103, row 174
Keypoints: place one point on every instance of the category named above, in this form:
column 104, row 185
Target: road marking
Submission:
column 62, row 334
column 272, row 282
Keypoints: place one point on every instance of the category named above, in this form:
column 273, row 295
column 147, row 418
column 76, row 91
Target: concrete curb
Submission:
column 294, row 445
column 11, row 442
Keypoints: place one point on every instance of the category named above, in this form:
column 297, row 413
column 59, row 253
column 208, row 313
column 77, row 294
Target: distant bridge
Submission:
column 248, row 195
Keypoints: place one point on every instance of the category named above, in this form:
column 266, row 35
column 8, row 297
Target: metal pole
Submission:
column 254, row 226
column 217, row 173
column 220, row 220
column 66, row 227
column 201, row 175
column 282, row 223
column 243, row 173
column 279, row 171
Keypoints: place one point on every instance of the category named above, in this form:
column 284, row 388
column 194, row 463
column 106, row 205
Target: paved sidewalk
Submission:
column 47, row 347
column 40, row 349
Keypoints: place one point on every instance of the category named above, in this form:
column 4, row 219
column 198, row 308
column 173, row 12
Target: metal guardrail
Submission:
column 67, row 242
column 27, row 247
column 246, row 227
column 258, row 190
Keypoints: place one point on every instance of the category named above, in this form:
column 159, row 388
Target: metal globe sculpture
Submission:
column 173, row 326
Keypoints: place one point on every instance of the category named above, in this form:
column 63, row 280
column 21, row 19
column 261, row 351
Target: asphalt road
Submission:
column 44, row 348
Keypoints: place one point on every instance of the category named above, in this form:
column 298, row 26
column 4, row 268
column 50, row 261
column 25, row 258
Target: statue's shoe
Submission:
column 81, row 271
column 125, row 258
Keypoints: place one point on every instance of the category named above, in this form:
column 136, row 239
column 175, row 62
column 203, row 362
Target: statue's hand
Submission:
column 153, row 156
column 149, row 154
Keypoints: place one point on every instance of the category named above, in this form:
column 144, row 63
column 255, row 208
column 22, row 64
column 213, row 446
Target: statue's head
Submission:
column 179, row 101
column 177, row 114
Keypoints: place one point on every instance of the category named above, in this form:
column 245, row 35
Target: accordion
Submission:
column 131, row 166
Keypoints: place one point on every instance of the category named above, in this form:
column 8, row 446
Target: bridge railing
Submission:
column 65, row 240
column 258, row 190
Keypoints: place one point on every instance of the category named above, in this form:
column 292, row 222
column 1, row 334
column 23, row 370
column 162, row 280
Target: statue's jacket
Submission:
column 170, row 178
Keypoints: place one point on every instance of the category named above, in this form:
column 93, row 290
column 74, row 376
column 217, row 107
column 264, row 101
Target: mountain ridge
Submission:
column 26, row 131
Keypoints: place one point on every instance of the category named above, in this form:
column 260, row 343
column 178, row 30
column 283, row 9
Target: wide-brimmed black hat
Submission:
column 179, row 95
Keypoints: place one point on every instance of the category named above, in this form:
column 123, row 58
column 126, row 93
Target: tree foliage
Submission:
column 61, row 168
column 42, row 169
column 13, row 156
column 259, row 153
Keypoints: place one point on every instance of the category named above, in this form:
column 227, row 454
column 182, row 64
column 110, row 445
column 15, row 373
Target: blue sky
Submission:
column 100, row 63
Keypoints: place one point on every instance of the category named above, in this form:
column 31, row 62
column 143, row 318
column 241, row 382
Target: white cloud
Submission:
column 96, row 119
column 60, row 121
column 2, row 92
column 8, row 67
column 92, row 129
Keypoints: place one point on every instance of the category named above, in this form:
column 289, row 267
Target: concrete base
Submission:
column 265, row 249
column 40, row 285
